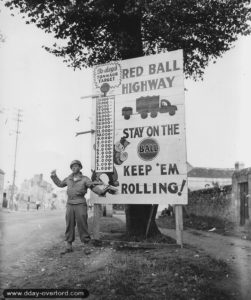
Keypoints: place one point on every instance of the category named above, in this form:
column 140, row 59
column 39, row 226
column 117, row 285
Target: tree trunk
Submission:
column 137, row 215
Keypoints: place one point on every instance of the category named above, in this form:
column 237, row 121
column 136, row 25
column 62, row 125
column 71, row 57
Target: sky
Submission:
column 48, row 92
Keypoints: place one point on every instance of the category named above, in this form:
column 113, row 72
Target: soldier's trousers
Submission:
column 76, row 214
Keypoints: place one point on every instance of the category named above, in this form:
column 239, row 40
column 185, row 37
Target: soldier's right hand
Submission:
column 53, row 172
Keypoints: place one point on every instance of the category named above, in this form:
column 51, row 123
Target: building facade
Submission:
column 35, row 190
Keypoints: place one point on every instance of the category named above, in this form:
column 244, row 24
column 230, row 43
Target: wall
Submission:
column 212, row 202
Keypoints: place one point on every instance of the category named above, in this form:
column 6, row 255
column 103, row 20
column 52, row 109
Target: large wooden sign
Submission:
column 142, row 100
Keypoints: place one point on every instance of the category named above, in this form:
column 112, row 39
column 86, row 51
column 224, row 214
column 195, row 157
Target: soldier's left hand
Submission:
column 96, row 183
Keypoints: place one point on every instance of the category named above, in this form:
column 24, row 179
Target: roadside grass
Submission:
column 122, row 273
column 160, row 274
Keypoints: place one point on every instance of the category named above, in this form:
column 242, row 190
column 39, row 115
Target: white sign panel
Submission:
column 149, row 158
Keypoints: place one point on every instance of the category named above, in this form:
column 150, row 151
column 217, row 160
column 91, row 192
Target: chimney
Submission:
column 239, row 166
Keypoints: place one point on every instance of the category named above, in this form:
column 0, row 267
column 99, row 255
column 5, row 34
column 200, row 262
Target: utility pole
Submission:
column 15, row 158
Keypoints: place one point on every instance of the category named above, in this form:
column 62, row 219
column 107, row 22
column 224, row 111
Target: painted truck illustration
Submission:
column 152, row 105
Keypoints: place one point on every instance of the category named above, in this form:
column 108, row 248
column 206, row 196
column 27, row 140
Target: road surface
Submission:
column 23, row 234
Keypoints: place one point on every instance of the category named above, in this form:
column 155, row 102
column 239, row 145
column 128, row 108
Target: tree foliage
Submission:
column 97, row 31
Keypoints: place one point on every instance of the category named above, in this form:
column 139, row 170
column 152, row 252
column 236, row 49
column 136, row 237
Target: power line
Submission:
column 18, row 119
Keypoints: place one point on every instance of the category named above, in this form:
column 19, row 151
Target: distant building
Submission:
column 35, row 189
column 202, row 178
column 1, row 186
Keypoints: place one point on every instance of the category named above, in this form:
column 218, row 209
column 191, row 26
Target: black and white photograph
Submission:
column 125, row 152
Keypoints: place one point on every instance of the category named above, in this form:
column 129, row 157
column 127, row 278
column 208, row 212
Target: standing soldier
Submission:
column 76, row 208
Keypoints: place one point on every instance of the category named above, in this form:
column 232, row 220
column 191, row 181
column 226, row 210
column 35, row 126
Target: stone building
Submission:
column 35, row 189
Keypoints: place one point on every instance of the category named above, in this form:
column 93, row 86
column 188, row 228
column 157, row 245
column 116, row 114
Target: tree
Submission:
column 97, row 31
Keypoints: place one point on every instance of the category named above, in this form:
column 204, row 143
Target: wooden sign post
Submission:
column 179, row 224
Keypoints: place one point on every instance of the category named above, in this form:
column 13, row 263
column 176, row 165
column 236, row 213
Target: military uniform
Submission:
column 76, row 208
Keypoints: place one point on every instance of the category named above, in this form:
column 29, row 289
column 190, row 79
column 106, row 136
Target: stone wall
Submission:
column 212, row 202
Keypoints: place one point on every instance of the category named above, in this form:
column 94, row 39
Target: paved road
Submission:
column 22, row 234
column 23, row 237
column 235, row 251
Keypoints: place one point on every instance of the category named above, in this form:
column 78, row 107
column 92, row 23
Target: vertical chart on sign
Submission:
column 104, row 134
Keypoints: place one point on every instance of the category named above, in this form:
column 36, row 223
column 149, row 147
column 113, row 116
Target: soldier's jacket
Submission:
column 76, row 189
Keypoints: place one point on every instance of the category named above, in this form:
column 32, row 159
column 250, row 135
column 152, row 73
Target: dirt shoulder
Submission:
column 112, row 272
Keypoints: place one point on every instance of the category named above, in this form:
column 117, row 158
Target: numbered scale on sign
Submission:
column 104, row 134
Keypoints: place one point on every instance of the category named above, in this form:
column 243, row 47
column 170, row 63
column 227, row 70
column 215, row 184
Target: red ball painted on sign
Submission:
column 148, row 149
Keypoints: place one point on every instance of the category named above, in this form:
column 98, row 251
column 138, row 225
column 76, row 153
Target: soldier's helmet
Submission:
column 76, row 162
